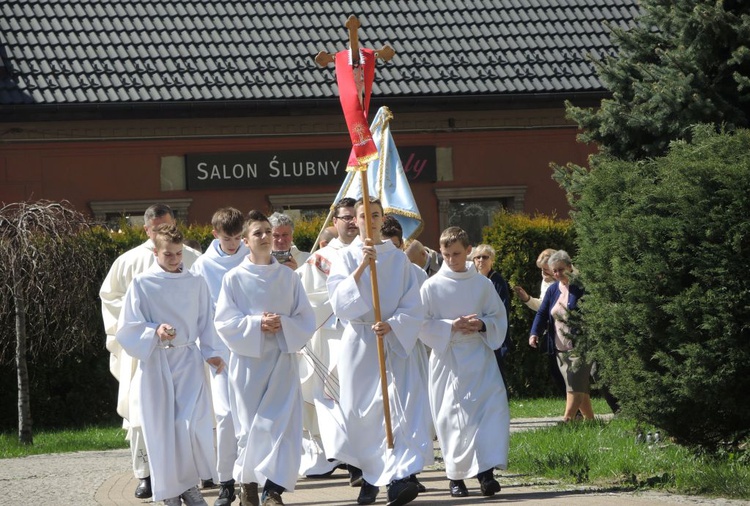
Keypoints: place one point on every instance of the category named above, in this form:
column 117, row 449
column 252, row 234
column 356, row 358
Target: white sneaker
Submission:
column 193, row 497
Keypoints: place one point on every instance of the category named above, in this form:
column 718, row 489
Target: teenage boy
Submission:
column 122, row 365
column 225, row 252
column 361, row 400
column 464, row 322
column 167, row 311
column 265, row 319
column 318, row 372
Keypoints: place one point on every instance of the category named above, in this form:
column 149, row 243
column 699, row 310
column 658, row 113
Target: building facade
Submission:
column 114, row 106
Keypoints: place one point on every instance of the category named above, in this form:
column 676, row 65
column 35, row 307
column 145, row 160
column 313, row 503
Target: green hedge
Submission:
column 78, row 389
column 665, row 255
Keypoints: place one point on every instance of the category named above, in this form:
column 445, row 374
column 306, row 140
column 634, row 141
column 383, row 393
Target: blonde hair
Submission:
column 543, row 258
column 483, row 248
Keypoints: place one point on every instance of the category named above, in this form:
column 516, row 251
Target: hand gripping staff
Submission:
column 355, row 73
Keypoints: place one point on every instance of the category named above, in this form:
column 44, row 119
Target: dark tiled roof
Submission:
column 146, row 51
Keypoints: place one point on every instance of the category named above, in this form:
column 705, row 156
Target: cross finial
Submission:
column 352, row 24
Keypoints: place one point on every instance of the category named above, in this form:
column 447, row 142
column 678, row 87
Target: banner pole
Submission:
column 376, row 308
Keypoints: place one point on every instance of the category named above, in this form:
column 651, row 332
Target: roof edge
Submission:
column 286, row 107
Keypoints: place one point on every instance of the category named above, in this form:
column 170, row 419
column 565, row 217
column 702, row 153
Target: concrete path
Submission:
column 105, row 478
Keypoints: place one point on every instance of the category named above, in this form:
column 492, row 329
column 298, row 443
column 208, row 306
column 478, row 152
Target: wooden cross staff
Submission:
column 385, row 54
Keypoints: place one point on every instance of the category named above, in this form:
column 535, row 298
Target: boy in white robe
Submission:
column 264, row 318
column 349, row 286
column 226, row 252
column 464, row 322
column 166, row 312
column 123, row 366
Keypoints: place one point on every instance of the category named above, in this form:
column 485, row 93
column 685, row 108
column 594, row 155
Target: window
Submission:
column 109, row 213
column 472, row 209
column 303, row 205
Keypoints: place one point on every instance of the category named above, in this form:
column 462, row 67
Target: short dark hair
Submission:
column 372, row 200
column 228, row 220
column 167, row 233
column 157, row 211
column 391, row 228
column 345, row 202
column 252, row 217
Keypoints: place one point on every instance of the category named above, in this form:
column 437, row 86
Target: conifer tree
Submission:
column 685, row 62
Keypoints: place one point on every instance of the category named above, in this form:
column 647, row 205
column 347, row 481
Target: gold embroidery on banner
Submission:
column 361, row 130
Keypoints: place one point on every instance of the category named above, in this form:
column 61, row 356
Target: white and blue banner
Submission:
column 386, row 179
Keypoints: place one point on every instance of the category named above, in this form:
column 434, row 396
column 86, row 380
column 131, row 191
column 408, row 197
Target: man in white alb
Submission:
column 318, row 359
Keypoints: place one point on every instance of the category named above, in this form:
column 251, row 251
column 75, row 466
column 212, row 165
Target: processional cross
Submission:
column 355, row 83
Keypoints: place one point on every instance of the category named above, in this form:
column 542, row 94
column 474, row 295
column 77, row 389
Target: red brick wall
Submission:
column 81, row 172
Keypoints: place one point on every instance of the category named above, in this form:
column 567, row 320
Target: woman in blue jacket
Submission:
column 562, row 298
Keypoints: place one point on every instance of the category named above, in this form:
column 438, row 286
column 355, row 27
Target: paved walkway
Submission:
column 105, row 478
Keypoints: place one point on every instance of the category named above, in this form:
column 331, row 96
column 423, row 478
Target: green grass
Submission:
column 544, row 408
column 605, row 455
column 62, row 441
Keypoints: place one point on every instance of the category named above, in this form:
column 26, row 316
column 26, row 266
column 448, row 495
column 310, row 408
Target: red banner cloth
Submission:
column 352, row 79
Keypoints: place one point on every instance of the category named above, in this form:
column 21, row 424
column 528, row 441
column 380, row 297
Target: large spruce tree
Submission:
column 661, row 219
column 685, row 62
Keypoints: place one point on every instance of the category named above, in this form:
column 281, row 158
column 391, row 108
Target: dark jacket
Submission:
column 503, row 290
column 543, row 321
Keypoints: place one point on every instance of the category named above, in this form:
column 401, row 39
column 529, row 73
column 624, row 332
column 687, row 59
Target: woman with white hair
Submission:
column 561, row 298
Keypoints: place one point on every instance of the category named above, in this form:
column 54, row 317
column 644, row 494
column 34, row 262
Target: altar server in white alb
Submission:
column 264, row 318
column 167, row 312
column 225, row 252
column 349, row 285
column 318, row 360
column 122, row 365
column 465, row 321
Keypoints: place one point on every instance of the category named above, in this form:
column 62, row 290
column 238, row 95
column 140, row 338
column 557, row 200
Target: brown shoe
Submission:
column 249, row 494
column 272, row 498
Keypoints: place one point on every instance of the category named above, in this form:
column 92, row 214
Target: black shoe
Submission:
column 420, row 488
column 401, row 492
column 209, row 483
column 487, row 483
column 143, row 490
column 321, row 475
column 355, row 476
column 458, row 488
column 226, row 494
column 368, row 494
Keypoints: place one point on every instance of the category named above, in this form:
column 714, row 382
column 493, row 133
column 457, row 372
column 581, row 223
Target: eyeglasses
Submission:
column 482, row 257
column 344, row 218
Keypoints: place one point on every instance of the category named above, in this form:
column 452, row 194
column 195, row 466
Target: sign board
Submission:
column 260, row 169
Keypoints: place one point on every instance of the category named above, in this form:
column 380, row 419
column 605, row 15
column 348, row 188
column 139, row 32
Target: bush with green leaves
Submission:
column 518, row 239
column 664, row 252
column 306, row 230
